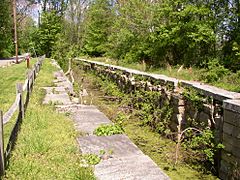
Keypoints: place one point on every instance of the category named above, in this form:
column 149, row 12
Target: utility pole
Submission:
column 15, row 28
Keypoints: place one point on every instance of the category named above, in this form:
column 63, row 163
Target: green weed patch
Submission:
column 108, row 130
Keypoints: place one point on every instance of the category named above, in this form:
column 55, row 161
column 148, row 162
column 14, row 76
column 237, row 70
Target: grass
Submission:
column 159, row 148
column 229, row 82
column 10, row 76
column 46, row 147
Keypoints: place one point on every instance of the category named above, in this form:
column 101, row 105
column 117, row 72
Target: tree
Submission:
column 97, row 25
column 59, row 6
column 46, row 36
column 26, row 35
column 6, row 42
column 159, row 32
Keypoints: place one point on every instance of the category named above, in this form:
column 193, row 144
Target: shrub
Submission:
column 214, row 71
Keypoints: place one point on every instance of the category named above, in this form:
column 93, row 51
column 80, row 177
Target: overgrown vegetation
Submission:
column 137, row 114
column 201, row 146
column 46, row 147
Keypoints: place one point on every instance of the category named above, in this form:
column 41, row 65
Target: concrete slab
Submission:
column 52, row 90
column 129, row 168
column 59, row 89
column 58, row 74
column 59, row 79
column 57, row 99
column 49, row 90
column 126, row 161
column 66, row 84
column 120, row 144
column 88, row 118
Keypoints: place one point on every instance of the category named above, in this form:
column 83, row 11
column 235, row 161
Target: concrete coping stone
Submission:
column 137, row 72
column 208, row 90
column 167, row 79
column 232, row 105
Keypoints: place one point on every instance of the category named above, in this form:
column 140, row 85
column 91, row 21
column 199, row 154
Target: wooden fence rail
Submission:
column 20, row 104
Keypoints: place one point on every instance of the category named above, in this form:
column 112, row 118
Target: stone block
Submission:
column 229, row 158
column 231, row 130
column 232, row 105
column 229, row 148
column 232, row 117
column 231, row 140
column 225, row 169
column 228, row 128
column 203, row 117
column 217, row 93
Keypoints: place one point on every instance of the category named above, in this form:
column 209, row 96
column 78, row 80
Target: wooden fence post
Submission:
column 21, row 102
column 34, row 74
column 29, row 81
column 2, row 159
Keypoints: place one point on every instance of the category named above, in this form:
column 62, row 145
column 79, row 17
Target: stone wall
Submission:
column 217, row 108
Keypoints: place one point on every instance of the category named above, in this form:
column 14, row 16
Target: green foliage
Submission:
column 26, row 37
column 92, row 159
column 163, row 119
column 97, row 24
column 48, row 33
column 195, row 97
column 201, row 146
column 110, row 88
column 175, row 32
column 150, row 112
column 214, row 72
column 6, row 23
column 108, row 130
column 121, row 118
column 63, row 51
column 160, row 33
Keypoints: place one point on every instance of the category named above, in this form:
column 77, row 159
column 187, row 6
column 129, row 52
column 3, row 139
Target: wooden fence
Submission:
column 20, row 104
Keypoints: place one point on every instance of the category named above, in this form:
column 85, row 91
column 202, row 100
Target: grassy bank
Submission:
column 216, row 75
column 159, row 148
column 9, row 77
column 46, row 147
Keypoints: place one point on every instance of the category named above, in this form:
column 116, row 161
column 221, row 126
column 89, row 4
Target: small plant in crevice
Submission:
column 108, row 130
column 106, row 154
column 196, row 98
column 67, row 114
column 92, row 159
